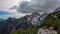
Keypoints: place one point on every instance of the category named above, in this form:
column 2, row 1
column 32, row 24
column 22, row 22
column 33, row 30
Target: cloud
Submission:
column 22, row 7
column 37, row 6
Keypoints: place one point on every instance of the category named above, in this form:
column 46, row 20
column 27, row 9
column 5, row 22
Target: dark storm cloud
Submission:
column 37, row 6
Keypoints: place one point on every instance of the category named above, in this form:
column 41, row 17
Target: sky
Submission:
column 5, row 5
column 19, row 8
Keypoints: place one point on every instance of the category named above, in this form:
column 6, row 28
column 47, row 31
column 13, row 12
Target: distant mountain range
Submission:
column 13, row 23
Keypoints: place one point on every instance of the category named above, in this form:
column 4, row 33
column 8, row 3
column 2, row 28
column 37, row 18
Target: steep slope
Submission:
column 53, row 19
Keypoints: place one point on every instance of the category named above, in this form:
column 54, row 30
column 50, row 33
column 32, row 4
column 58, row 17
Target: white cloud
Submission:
column 6, row 4
column 18, row 15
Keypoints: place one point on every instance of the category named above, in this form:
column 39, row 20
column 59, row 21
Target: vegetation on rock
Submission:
column 53, row 19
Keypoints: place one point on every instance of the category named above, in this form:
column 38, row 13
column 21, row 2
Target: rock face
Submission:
column 33, row 17
column 46, row 31
column 36, row 17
